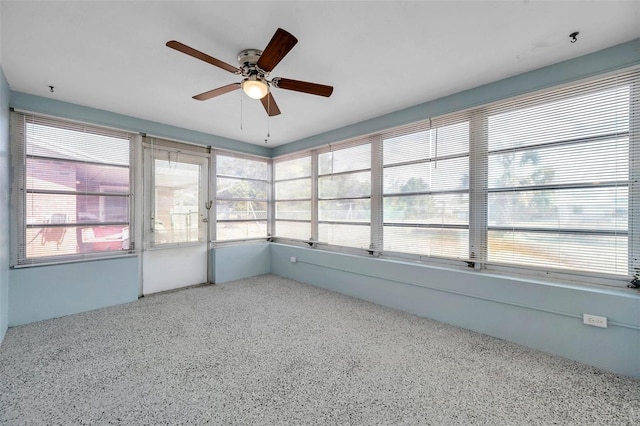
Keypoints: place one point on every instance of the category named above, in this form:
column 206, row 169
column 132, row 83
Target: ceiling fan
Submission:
column 255, row 66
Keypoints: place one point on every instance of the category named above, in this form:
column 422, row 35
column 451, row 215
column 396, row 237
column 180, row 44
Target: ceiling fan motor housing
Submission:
column 247, row 59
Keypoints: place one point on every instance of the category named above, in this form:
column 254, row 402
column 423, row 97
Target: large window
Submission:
column 72, row 190
column 292, row 198
column 344, row 196
column 559, row 180
column 426, row 191
column 542, row 184
column 241, row 197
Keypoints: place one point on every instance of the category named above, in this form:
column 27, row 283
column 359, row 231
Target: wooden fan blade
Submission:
column 217, row 92
column 303, row 86
column 281, row 43
column 270, row 105
column 202, row 56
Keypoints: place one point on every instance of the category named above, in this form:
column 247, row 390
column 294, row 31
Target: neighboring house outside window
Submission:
column 72, row 190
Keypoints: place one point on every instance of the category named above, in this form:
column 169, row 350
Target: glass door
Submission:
column 176, row 220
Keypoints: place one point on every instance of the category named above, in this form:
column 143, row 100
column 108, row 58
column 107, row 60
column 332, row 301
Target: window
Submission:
column 544, row 183
column 72, row 190
column 558, row 180
column 426, row 191
column 540, row 184
column 292, row 198
column 344, row 196
column 241, row 197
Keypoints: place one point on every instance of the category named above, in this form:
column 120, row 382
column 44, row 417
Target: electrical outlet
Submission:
column 292, row 259
column 594, row 320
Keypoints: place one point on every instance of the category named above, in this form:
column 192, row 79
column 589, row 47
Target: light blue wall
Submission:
column 37, row 104
column 610, row 59
column 239, row 261
column 51, row 291
column 547, row 317
column 44, row 292
column 5, row 188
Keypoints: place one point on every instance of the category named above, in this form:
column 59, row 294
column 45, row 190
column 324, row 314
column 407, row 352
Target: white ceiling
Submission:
column 379, row 56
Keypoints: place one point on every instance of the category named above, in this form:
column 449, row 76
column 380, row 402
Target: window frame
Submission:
column 152, row 150
column 428, row 126
column 20, row 191
column 312, row 195
column 372, row 197
column 567, row 91
column 215, row 153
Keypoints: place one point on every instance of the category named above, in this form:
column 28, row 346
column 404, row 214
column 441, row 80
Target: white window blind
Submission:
column 426, row 189
column 344, row 195
column 241, row 197
column 71, row 189
column 559, row 178
column 292, row 197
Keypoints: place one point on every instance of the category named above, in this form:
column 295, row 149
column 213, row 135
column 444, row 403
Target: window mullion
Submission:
column 478, row 183
column 314, row 196
column 634, row 179
column 377, row 214
column 19, row 208
column 271, row 205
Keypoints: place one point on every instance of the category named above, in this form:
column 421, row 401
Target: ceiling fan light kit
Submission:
column 255, row 85
column 254, row 88
column 255, row 66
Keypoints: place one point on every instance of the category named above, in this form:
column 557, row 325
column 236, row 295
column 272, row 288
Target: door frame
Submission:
column 149, row 150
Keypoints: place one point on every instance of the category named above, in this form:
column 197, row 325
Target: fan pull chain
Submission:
column 435, row 164
column 331, row 152
column 241, row 112
column 268, row 117
column 435, row 154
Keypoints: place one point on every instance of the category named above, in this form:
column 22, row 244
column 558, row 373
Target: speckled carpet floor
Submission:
column 268, row 350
